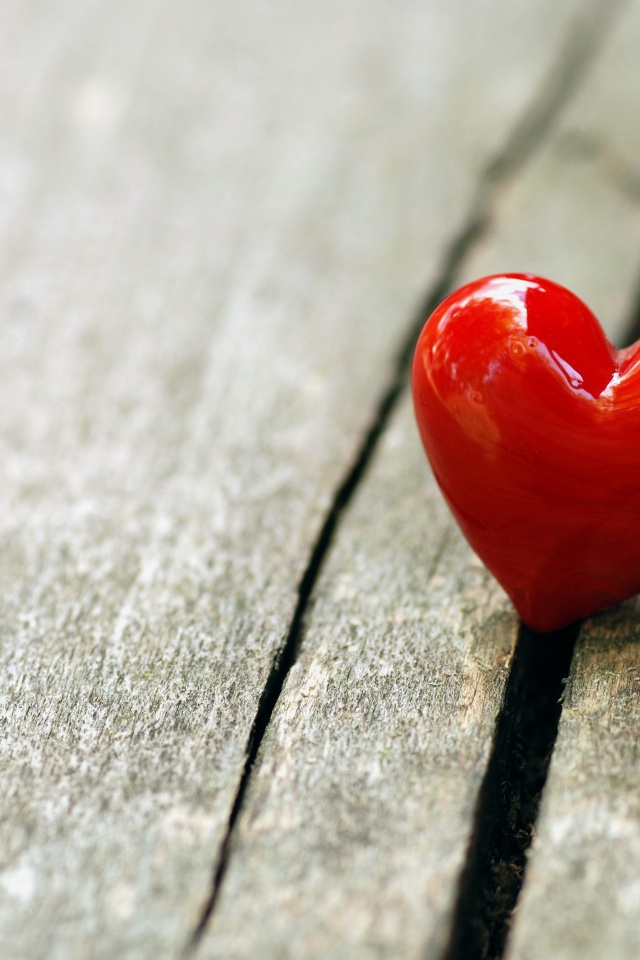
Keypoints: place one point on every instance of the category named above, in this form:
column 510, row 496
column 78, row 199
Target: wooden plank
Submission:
column 215, row 219
column 581, row 896
column 360, row 810
column 355, row 826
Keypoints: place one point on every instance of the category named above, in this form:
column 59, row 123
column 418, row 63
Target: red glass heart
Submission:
column 531, row 422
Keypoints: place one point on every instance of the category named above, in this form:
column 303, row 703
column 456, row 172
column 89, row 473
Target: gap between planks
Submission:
column 486, row 921
column 509, row 799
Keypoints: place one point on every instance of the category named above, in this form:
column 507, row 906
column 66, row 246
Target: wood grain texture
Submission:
column 360, row 811
column 355, row 826
column 216, row 219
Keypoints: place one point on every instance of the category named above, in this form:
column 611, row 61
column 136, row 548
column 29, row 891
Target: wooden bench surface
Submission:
column 257, row 697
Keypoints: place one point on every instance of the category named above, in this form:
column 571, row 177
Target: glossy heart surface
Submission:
column 531, row 421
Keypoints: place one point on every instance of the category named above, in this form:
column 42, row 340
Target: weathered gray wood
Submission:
column 359, row 813
column 355, row 827
column 215, row 218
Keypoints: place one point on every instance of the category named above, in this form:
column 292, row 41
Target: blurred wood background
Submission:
column 257, row 697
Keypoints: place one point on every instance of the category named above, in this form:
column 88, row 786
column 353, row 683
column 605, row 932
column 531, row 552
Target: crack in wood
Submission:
column 575, row 58
column 507, row 809
column 458, row 251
